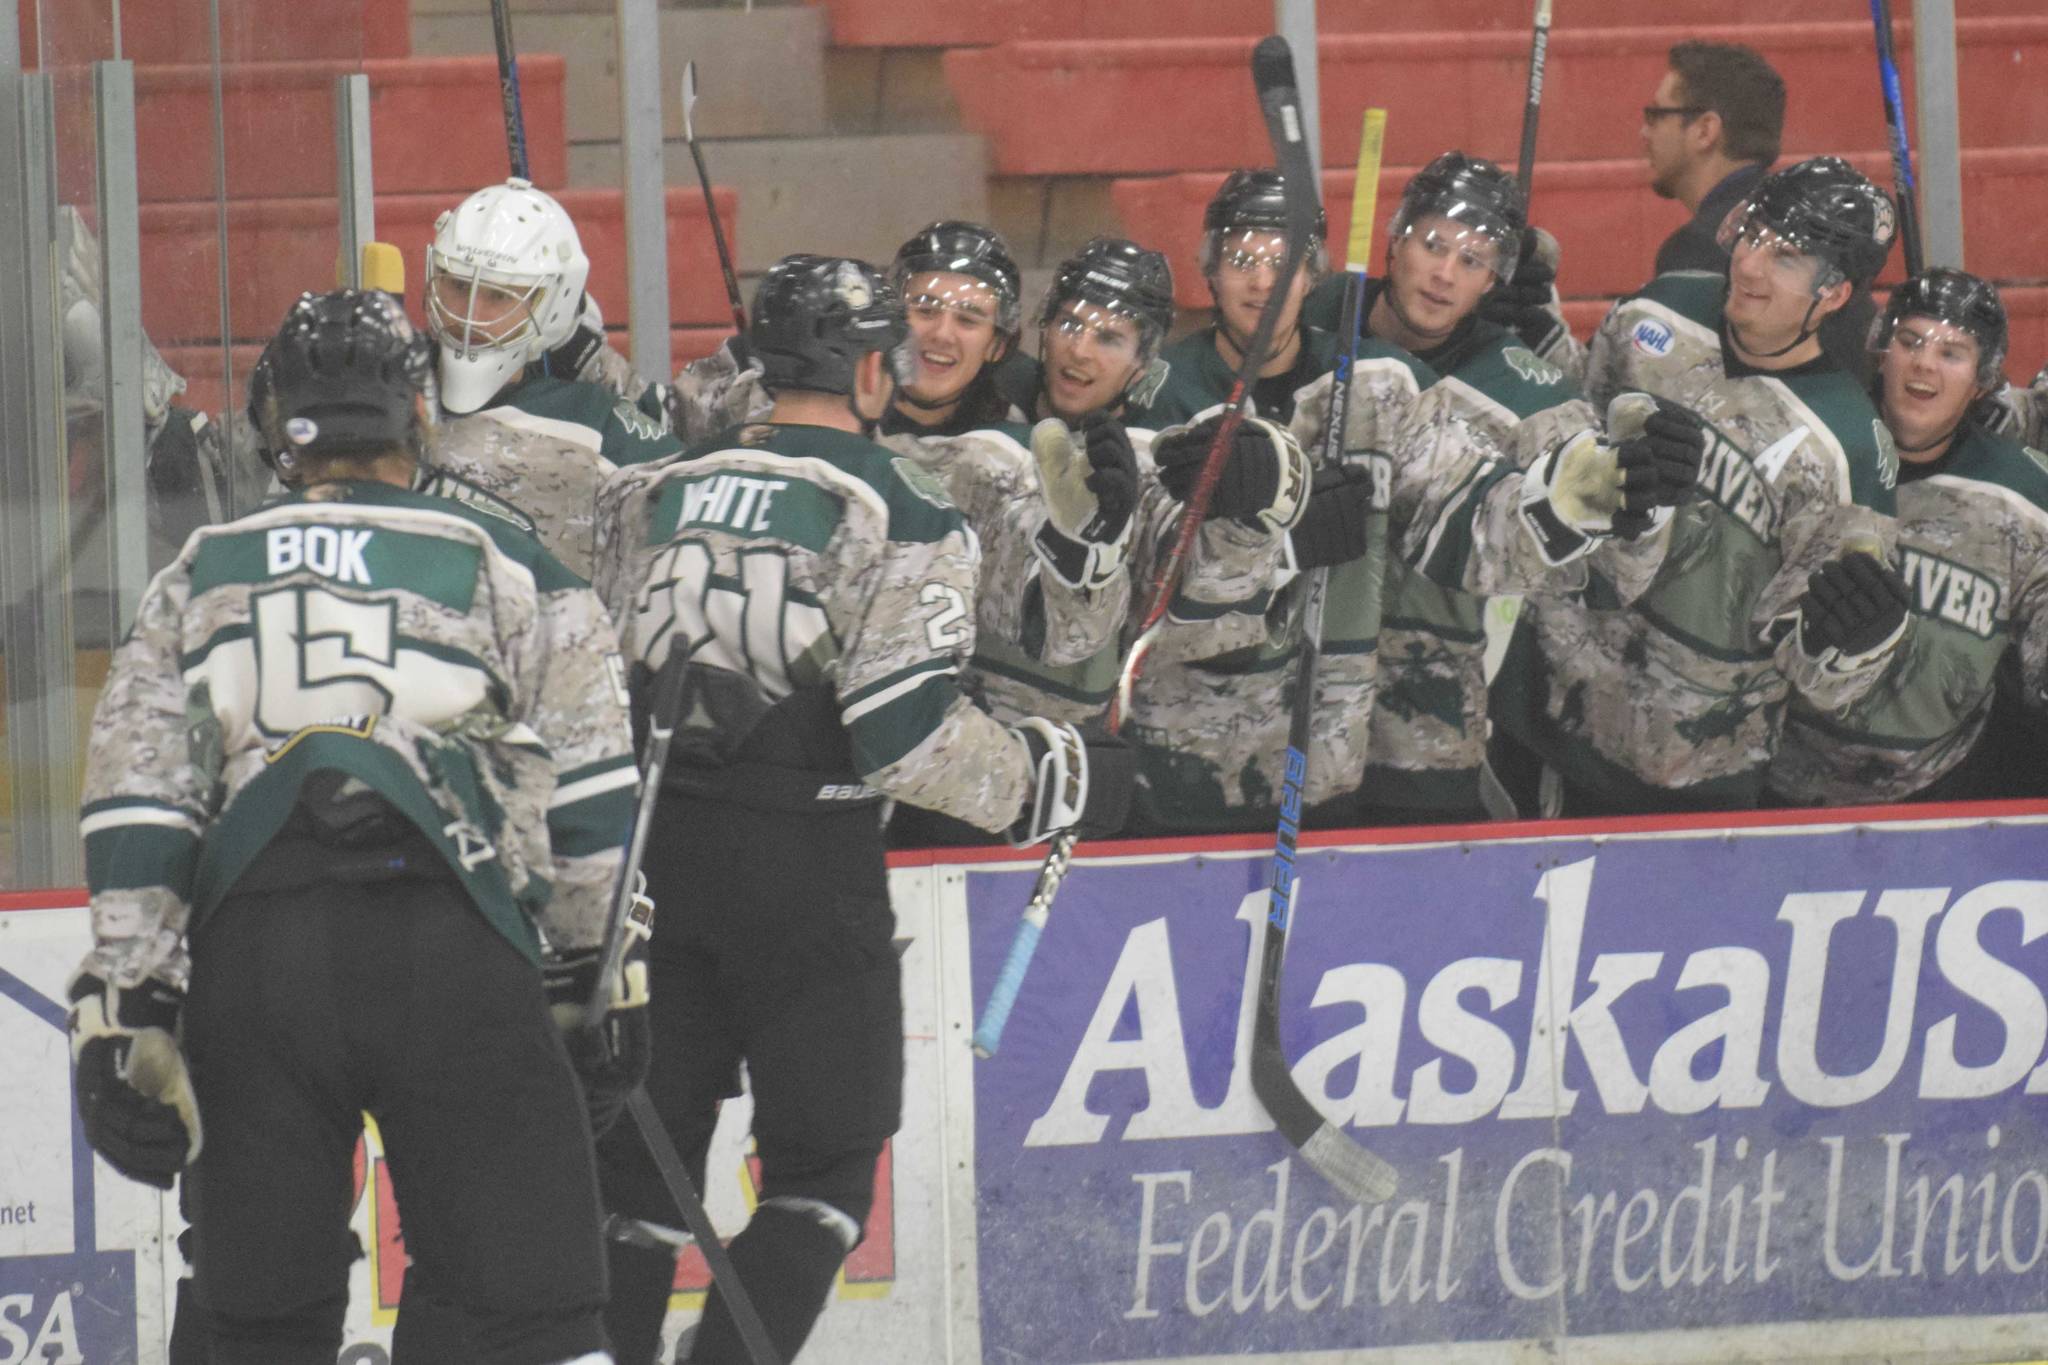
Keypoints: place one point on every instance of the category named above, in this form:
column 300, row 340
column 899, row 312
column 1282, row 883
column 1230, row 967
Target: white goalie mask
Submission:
column 505, row 279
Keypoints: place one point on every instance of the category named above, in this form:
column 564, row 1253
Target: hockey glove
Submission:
column 1333, row 529
column 1526, row 303
column 1078, row 782
column 1855, row 605
column 576, row 358
column 1089, row 495
column 611, row 1059
column 1659, row 447
column 1264, row 483
column 134, row 1094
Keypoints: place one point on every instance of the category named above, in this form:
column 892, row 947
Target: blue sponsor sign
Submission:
column 1646, row 1083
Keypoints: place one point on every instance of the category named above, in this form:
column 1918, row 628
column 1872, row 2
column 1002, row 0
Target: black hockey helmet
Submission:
column 1472, row 192
column 965, row 249
column 1826, row 208
column 816, row 316
column 1119, row 275
column 343, row 376
column 1252, row 201
column 1959, row 299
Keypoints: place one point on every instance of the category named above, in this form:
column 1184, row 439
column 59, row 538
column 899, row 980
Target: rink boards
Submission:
column 1682, row 1091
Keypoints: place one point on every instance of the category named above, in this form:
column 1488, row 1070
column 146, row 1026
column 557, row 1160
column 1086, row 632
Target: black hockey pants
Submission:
column 772, row 946
column 314, row 999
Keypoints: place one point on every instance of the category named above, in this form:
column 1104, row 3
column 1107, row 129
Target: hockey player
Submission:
column 361, row 750
column 1451, row 243
column 818, row 592
column 1244, row 243
column 1675, row 702
column 1973, row 541
column 504, row 289
column 962, row 295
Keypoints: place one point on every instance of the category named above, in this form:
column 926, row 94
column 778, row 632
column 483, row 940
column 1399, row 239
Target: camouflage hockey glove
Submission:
column 1855, row 604
column 1078, row 782
column 1264, row 483
column 134, row 1093
column 1527, row 303
column 1090, row 490
column 1333, row 529
column 611, row 1059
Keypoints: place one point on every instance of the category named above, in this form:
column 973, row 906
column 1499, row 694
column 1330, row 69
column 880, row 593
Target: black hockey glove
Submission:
column 611, row 1059
column 1522, row 303
column 1660, row 466
column 1254, row 485
column 134, row 1094
column 567, row 361
column 1853, row 604
column 1333, row 529
column 1112, row 478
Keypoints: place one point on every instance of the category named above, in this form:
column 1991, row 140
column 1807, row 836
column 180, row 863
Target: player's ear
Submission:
column 1834, row 297
column 1705, row 131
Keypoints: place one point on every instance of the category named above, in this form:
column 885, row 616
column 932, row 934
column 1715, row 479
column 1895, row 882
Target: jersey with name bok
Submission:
column 427, row 651
column 802, row 558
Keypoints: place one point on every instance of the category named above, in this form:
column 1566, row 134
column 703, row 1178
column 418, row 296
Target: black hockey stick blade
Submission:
column 670, row 1164
column 1353, row 1171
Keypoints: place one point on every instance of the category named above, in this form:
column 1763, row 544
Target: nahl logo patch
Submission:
column 1652, row 338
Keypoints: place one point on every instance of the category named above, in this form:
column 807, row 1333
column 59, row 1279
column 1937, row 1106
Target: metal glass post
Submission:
column 35, row 568
column 645, row 173
column 354, row 187
column 1939, row 132
column 125, row 448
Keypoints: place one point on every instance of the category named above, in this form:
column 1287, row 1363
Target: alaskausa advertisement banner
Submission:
column 1662, row 1082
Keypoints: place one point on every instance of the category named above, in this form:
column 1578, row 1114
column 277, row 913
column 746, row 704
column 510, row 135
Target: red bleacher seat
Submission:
column 205, row 381
column 279, row 247
column 176, row 32
column 436, row 126
column 1174, row 104
column 1607, row 221
column 977, row 23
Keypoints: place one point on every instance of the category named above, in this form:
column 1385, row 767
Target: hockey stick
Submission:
column 671, row 693
column 1280, row 101
column 1907, row 193
column 1354, row 1171
column 508, row 88
column 1539, row 52
column 732, row 280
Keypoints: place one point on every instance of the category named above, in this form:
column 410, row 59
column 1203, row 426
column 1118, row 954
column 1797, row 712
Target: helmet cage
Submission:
column 459, row 332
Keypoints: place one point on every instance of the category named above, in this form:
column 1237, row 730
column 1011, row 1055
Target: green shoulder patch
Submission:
column 636, row 422
column 1532, row 367
column 922, row 482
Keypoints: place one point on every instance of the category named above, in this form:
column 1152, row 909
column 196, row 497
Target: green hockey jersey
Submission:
column 812, row 563
column 544, row 445
column 429, row 651
column 1973, row 548
column 1684, row 691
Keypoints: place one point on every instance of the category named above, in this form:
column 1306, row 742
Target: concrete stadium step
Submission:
column 176, row 32
column 892, row 23
column 856, row 196
column 1607, row 221
column 1121, row 108
column 761, row 73
column 280, row 247
column 204, row 368
column 436, row 125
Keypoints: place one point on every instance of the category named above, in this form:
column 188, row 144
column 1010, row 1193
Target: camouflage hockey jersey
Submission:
column 1196, row 379
column 432, row 653
column 1211, row 731
column 1684, row 692
column 1973, row 547
column 803, row 563
column 545, row 445
column 2022, row 414
column 1427, row 738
